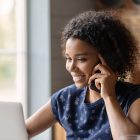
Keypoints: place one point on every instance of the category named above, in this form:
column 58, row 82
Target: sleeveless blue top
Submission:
column 89, row 121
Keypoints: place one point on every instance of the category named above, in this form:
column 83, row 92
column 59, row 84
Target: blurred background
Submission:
column 31, row 64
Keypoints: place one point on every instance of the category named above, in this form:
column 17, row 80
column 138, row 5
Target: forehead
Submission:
column 78, row 46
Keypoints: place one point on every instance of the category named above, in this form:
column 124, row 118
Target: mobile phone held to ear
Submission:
column 93, row 86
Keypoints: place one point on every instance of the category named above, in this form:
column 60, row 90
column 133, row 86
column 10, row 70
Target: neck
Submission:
column 92, row 96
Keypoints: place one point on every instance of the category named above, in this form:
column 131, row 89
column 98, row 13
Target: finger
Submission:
column 104, row 69
column 100, row 69
column 98, row 84
column 95, row 76
column 92, row 78
column 102, row 60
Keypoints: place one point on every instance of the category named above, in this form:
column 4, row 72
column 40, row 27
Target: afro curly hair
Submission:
column 104, row 31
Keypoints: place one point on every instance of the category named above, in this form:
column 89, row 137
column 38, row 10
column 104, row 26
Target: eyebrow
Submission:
column 85, row 54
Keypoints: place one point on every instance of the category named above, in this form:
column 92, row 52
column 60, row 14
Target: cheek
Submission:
column 88, row 69
column 67, row 67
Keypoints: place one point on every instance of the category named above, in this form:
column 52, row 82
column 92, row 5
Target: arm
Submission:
column 119, row 123
column 41, row 120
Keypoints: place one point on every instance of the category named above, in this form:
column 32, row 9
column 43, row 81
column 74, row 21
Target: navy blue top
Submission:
column 89, row 121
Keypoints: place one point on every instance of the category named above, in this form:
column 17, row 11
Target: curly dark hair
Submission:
column 104, row 31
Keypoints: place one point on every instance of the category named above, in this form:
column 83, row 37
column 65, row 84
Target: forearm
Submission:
column 40, row 121
column 119, row 123
column 35, row 126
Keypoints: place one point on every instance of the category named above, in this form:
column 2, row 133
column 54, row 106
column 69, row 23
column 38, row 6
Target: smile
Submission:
column 78, row 78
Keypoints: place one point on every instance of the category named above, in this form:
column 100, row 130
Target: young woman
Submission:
column 99, row 51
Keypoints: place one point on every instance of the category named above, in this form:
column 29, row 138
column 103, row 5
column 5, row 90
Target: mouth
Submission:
column 78, row 78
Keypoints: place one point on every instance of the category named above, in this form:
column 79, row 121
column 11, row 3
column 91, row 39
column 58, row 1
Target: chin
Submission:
column 80, row 85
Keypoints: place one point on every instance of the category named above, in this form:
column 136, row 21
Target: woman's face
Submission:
column 81, row 58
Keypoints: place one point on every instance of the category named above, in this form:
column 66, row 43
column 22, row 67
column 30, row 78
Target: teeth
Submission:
column 77, row 78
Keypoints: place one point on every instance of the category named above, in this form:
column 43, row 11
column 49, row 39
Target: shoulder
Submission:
column 65, row 91
column 134, row 113
column 70, row 90
column 62, row 98
column 127, row 93
column 65, row 95
column 127, row 89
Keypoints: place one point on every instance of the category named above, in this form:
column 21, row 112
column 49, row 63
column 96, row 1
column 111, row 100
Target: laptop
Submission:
column 12, row 124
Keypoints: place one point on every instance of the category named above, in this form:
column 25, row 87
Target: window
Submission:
column 13, row 51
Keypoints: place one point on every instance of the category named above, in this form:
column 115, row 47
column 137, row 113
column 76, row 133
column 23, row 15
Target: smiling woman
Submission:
column 97, row 47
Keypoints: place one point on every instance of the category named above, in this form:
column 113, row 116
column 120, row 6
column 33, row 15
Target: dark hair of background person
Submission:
column 104, row 31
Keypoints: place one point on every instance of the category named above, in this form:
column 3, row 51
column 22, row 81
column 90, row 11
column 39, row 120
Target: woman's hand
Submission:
column 105, row 81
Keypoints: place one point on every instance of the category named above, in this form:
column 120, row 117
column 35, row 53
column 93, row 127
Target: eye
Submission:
column 68, row 59
column 82, row 59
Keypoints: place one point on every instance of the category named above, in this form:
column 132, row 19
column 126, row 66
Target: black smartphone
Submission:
column 93, row 86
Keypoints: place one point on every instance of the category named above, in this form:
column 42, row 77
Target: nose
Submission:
column 72, row 66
